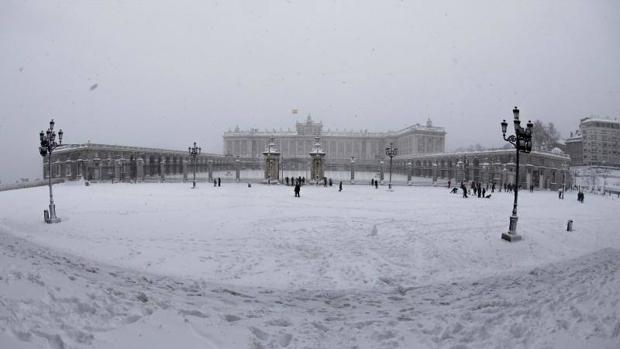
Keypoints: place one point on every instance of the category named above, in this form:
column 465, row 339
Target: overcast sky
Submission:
column 171, row 72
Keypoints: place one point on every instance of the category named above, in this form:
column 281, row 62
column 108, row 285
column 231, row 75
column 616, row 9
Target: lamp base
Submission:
column 53, row 220
column 511, row 237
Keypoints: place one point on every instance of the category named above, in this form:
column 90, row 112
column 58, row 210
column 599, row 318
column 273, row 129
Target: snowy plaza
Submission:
column 156, row 265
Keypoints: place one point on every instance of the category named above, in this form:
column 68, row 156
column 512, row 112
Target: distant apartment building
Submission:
column 596, row 143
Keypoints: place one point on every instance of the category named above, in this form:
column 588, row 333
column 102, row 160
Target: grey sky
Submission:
column 171, row 72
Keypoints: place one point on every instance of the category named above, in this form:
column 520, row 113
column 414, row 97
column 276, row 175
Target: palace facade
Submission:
column 421, row 154
column 338, row 145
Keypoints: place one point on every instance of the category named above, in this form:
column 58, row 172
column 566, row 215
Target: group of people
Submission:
column 294, row 181
column 298, row 182
column 580, row 196
column 375, row 183
column 476, row 188
column 217, row 182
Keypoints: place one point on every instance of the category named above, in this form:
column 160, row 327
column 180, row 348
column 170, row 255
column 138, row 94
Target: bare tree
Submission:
column 545, row 137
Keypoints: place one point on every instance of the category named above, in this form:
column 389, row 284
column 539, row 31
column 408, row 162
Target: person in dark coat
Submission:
column 286, row 180
column 215, row 182
column 219, row 182
column 493, row 188
column 464, row 189
column 484, row 192
column 479, row 191
column 297, row 190
column 340, row 186
column 330, row 182
column 325, row 181
column 376, row 184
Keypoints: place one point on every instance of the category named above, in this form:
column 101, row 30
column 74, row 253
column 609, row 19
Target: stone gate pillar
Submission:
column 434, row 171
column 381, row 171
column 317, row 170
column 272, row 163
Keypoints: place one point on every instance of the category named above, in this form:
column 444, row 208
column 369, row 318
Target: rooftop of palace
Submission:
column 123, row 148
column 490, row 152
column 337, row 133
column 590, row 119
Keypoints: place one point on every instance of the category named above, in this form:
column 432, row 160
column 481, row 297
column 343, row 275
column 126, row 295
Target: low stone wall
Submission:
column 29, row 184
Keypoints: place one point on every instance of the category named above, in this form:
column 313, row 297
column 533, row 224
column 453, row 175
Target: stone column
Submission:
column 352, row 170
column 210, row 169
column 79, row 169
column 485, row 173
column 139, row 170
column 162, row 170
column 98, row 169
column 117, row 170
column 184, row 163
column 237, row 170
column 528, row 176
column 460, row 173
column 381, row 171
column 434, row 172
column 409, row 173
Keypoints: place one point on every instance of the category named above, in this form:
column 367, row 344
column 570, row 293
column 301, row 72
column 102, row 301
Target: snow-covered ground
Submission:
column 157, row 265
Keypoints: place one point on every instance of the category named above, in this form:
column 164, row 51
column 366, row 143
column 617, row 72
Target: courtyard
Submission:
column 238, row 266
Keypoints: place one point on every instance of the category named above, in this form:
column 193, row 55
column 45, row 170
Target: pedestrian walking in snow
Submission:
column 376, row 184
column 214, row 183
column 340, row 186
column 219, row 182
column 297, row 190
column 330, row 182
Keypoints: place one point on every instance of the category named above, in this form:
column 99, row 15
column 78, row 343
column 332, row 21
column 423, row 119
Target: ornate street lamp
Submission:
column 391, row 151
column 193, row 153
column 48, row 144
column 522, row 141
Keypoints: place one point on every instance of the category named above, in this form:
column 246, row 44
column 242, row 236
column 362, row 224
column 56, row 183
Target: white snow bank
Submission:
column 72, row 302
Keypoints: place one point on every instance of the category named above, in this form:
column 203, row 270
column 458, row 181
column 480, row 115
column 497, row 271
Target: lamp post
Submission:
column 193, row 153
column 391, row 151
column 48, row 144
column 522, row 141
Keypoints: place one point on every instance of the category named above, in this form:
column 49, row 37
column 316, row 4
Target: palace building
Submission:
column 338, row 145
column 421, row 153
